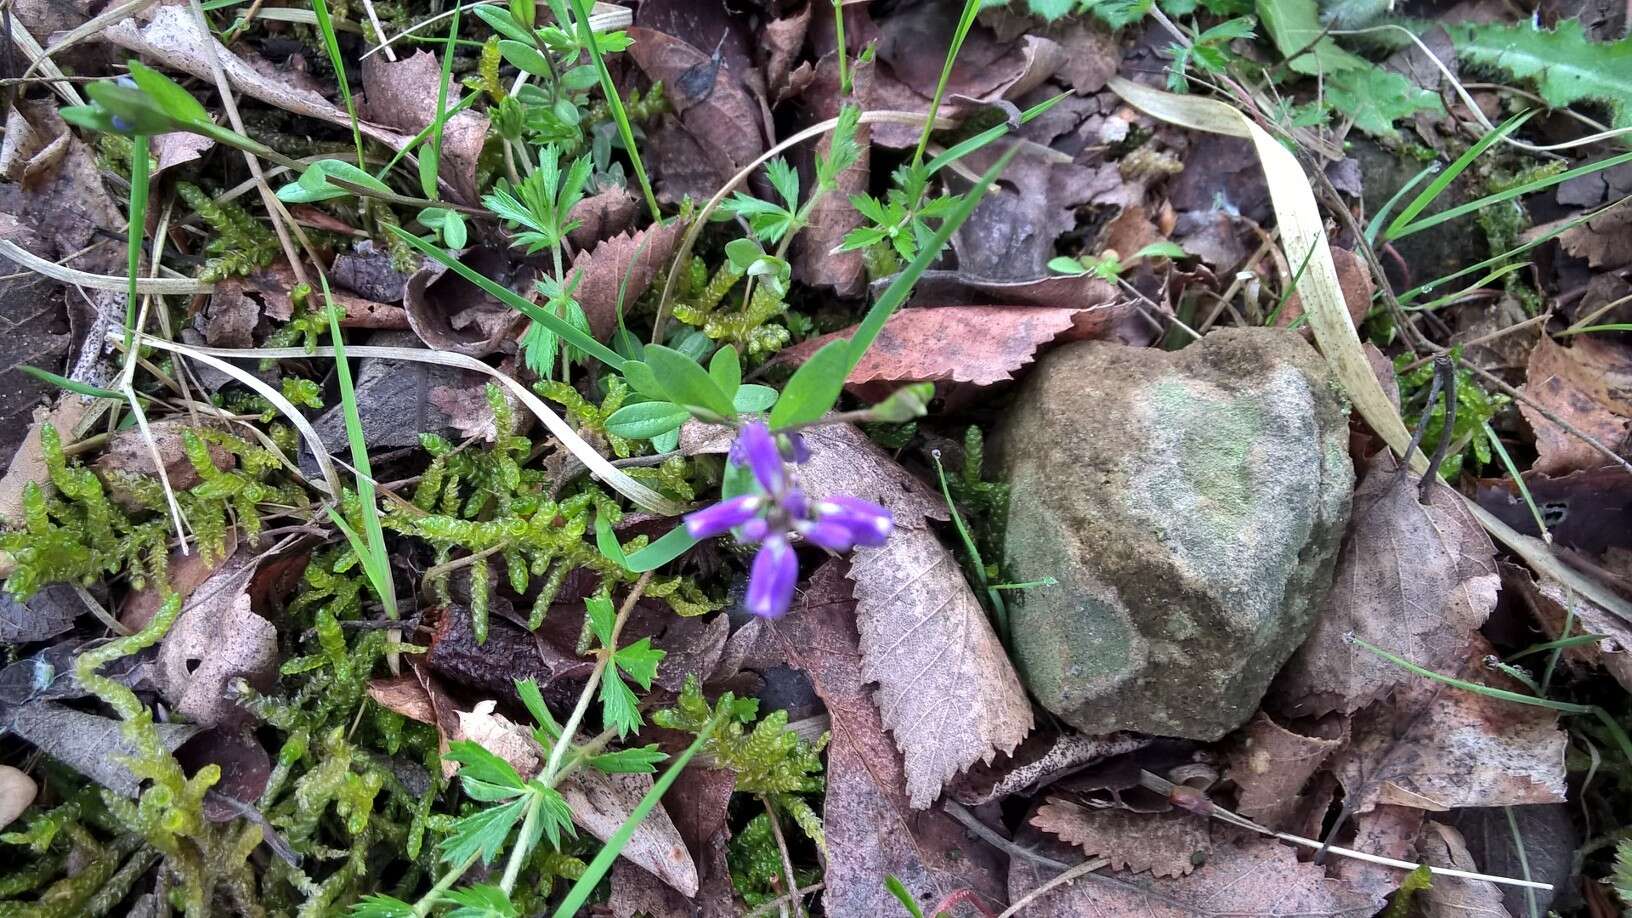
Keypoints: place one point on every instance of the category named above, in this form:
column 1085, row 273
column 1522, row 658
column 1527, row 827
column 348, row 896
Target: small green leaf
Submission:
column 1162, row 250
column 904, row 404
column 742, row 253
column 314, row 184
column 754, row 397
column 1069, row 266
column 555, row 816
column 672, row 545
column 380, row 905
column 527, row 690
column 483, row 900
column 620, row 710
column 686, row 383
column 524, row 56
column 639, row 760
column 895, row 886
column 726, row 370
column 453, row 230
column 639, row 661
column 176, row 102
column 606, row 542
column 141, row 114
column 814, row 387
column 601, row 618
column 482, row 832
column 640, row 378
column 645, row 420
column 478, row 764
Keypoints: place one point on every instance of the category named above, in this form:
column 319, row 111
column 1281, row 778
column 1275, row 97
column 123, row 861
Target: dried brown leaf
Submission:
column 602, row 214
column 600, row 804
column 217, row 640
column 1011, row 234
column 1434, row 747
column 1414, row 580
column 872, row 830
column 1253, row 878
column 715, row 106
column 976, row 344
column 401, row 94
column 187, row 573
column 1039, row 761
column 450, row 313
column 1451, row 897
column 783, row 39
column 1552, row 604
column 692, row 646
column 46, row 614
column 1389, row 831
column 90, row 744
column 1270, row 766
column 1585, row 385
column 17, row 792
column 1167, row 844
column 178, row 148
column 1605, row 241
column 1096, row 301
column 601, row 271
column 946, row 688
column 128, row 453
column 273, row 284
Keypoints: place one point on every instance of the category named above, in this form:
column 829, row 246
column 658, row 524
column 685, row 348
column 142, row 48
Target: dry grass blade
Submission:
column 161, row 286
column 1303, row 236
column 84, row 30
column 38, row 58
column 597, row 464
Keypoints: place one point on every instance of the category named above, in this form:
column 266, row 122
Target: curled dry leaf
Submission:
column 782, row 40
column 692, row 647
column 1039, row 761
column 1605, row 241
column 228, row 318
column 401, row 94
column 501, row 736
column 170, row 36
column 90, row 744
column 601, row 271
column 976, row 344
column 1585, row 385
column 1270, row 766
column 419, row 695
column 449, row 313
column 1096, row 303
column 1434, row 747
column 1451, row 897
column 1414, row 580
column 872, row 829
column 602, row 214
column 17, row 792
column 1243, row 878
column 1585, row 510
column 273, row 284
column 1167, row 844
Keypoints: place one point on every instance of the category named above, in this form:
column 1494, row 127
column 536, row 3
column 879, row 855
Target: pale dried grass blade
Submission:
column 37, row 58
column 161, row 286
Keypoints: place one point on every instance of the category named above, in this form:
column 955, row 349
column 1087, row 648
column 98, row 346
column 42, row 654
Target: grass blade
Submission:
column 63, row 382
column 325, row 25
column 427, row 173
column 1530, row 187
column 614, row 102
column 966, row 21
column 1444, row 179
column 585, row 886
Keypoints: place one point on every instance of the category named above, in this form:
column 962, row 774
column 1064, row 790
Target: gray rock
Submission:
column 1190, row 506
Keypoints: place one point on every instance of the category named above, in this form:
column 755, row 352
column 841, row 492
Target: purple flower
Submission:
column 771, row 581
column 781, row 510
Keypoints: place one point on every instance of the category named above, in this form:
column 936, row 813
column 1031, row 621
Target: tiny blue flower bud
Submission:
column 722, row 517
column 123, row 126
column 796, row 452
column 756, row 448
column 772, row 579
column 868, row 523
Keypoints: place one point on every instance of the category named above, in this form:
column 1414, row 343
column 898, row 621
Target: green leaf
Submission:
column 754, row 397
column 742, row 253
column 645, row 420
column 523, row 56
column 503, row 23
column 1376, row 98
column 785, row 179
column 726, row 369
column 78, row 388
column 1060, row 264
column 640, row 378
column 904, row 404
column 1162, row 250
column 686, row 383
column 899, row 890
column 1118, row 14
column 585, row 885
column 484, row 900
column 530, row 696
column 1050, row 9
column 814, row 387
column 141, row 113
column 672, row 545
column 639, row 661
column 314, row 184
column 601, row 618
column 1437, row 187
column 620, row 710
column 1566, row 66
column 554, row 815
column 606, row 542
column 476, row 763
column 379, row 905
column 176, row 102
column 636, row 761
column 1294, row 26
column 482, row 832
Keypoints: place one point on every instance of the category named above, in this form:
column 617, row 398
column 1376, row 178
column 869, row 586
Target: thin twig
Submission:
column 776, row 904
column 1085, row 867
column 787, row 859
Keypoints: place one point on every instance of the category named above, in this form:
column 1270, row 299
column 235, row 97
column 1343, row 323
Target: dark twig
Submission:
column 1444, row 378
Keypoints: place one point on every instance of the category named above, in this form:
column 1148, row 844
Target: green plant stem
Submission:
column 443, row 884
column 614, row 102
column 519, row 853
column 558, row 752
column 965, row 22
column 325, row 26
column 139, row 186
column 844, row 53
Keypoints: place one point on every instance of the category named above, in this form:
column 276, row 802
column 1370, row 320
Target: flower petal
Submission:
column 868, row 523
column 722, row 517
column 756, row 448
column 772, row 579
column 828, row 535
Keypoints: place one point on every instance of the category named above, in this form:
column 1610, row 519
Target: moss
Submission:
column 241, row 243
column 747, row 327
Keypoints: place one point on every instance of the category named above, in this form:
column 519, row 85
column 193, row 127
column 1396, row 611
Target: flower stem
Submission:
column 518, row 854
column 558, row 752
column 428, row 901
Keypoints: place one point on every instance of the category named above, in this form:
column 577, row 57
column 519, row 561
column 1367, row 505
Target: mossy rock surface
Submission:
column 1191, row 506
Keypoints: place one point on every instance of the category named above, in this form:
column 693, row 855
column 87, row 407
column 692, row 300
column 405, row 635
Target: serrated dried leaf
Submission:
column 1414, row 580
column 872, row 829
column 1167, row 844
column 1435, row 747
column 1270, row 766
column 1251, row 878
column 713, row 103
column 1585, row 385
column 975, row 344
column 947, row 690
column 600, row 271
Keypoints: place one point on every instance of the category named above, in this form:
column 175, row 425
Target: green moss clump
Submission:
column 242, row 244
column 748, row 327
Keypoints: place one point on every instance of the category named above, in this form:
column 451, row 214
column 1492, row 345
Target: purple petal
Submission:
column 868, row 523
column 798, row 453
column 795, row 503
column 756, row 448
column 772, row 579
column 755, row 529
column 722, row 517
column 828, row 535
